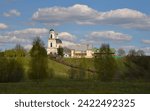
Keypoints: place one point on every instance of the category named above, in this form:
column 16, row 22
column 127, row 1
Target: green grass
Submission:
column 59, row 69
column 76, row 62
column 61, row 85
column 75, row 87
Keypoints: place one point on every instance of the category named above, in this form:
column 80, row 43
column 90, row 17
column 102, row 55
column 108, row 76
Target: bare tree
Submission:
column 140, row 53
column 121, row 52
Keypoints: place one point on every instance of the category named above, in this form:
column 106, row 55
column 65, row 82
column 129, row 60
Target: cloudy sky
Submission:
column 121, row 23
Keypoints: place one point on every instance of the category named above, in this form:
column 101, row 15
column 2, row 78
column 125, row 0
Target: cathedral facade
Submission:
column 53, row 43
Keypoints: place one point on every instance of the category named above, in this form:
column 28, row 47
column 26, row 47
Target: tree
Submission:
column 132, row 52
column 140, row 53
column 11, row 70
column 19, row 50
column 121, row 52
column 1, row 53
column 39, row 61
column 60, row 51
column 105, row 64
column 137, row 65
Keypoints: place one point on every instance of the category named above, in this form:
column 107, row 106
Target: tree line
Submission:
column 131, row 67
column 134, row 66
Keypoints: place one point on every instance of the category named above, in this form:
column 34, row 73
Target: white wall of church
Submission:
column 52, row 43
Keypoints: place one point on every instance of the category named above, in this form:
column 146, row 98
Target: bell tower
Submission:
column 52, row 47
column 52, row 34
column 53, row 42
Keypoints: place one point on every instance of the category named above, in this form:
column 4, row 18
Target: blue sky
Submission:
column 121, row 23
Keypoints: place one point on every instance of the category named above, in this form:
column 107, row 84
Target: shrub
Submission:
column 39, row 61
column 11, row 70
column 105, row 64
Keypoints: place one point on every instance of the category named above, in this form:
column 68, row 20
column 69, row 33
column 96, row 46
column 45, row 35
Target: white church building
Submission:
column 53, row 42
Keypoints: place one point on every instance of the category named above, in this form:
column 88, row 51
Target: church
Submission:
column 53, row 42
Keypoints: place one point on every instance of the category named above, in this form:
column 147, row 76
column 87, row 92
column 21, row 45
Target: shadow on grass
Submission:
column 62, row 86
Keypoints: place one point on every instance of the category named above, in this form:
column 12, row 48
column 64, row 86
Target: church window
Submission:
column 51, row 45
column 51, row 36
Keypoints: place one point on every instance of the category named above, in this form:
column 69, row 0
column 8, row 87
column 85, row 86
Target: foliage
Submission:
column 11, row 70
column 140, row 53
column 39, row 61
column 136, row 68
column 105, row 64
column 1, row 53
column 60, row 51
column 18, row 51
column 80, row 72
column 133, row 52
column 121, row 52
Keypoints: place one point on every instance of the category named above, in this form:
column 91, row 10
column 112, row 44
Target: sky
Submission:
column 120, row 23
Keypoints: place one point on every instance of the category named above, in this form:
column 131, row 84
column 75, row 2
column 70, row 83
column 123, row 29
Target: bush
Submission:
column 105, row 64
column 137, row 68
column 11, row 70
column 39, row 61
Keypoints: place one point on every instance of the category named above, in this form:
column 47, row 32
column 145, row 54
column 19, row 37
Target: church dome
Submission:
column 58, row 41
column 51, row 29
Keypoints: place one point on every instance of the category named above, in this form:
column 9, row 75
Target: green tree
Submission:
column 39, row 61
column 19, row 50
column 60, row 51
column 11, row 70
column 1, row 53
column 105, row 64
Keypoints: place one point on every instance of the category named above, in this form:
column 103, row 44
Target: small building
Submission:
column 89, row 53
column 53, row 42
column 79, row 54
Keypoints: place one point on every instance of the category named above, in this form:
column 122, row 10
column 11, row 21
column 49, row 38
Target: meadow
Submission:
column 60, row 84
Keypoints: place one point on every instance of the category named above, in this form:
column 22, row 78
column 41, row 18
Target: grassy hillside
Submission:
column 60, row 70
column 59, row 84
column 77, row 61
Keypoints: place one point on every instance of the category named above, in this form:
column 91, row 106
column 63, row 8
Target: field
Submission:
column 60, row 84
column 75, row 87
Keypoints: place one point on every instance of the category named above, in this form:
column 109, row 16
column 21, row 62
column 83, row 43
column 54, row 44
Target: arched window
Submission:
column 51, row 44
column 51, row 36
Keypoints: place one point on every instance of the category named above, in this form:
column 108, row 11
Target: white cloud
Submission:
column 59, row 15
column 23, row 36
column 68, row 43
column 128, row 47
column 146, row 50
column 146, row 41
column 73, row 45
column 67, row 36
column 3, row 26
column 85, row 15
column 110, row 35
column 12, row 13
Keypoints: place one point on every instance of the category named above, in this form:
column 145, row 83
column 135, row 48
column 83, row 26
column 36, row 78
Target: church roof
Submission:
column 51, row 29
column 58, row 41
